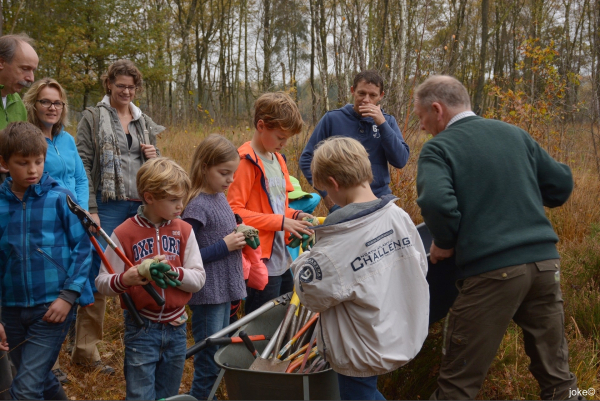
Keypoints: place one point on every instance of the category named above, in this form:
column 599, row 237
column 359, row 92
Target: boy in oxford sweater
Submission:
column 155, row 353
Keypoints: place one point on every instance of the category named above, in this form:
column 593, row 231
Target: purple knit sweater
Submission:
column 224, row 277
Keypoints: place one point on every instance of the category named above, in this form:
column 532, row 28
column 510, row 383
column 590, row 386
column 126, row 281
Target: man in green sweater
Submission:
column 18, row 61
column 482, row 187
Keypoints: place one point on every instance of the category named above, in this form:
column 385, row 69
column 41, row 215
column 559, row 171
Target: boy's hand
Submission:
column 133, row 277
column 297, row 227
column 57, row 312
column 302, row 215
column 235, row 241
column 97, row 220
column 3, row 342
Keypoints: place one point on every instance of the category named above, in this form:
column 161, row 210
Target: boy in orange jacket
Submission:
column 260, row 187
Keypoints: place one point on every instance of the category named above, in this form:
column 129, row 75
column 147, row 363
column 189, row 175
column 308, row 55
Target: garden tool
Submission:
column 274, row 364
column 295, row 338
column 282, row 300
column 302, row 361
column 271, row 344
column 313, row 340
column 301, row 313
column 159, row 272
column 88, row 223
column 209, row 342
column 312, row 365
column 248, row 342
column 250, row 234
column 298, row 352
column 306, row 335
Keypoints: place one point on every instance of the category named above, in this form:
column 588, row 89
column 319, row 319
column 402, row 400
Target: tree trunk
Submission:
column 485, row 6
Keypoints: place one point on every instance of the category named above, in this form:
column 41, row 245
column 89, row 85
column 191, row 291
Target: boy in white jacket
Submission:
column 365, row 275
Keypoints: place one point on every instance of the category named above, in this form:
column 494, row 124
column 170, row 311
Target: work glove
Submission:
column 307, row 240
column 251, row 235
column 159, row 272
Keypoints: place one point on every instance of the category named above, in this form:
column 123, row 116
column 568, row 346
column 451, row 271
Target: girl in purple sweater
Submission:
column 213, row 221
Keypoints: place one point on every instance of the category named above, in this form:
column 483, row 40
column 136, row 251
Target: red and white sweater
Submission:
column 140, row 239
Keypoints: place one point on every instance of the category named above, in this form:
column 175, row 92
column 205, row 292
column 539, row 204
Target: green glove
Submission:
column 159, row 272
column 308, row 242
column 295, row 242
column 250, row 234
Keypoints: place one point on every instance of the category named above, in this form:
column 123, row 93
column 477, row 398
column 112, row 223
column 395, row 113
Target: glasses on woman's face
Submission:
column 122, row 88
column 58, row 105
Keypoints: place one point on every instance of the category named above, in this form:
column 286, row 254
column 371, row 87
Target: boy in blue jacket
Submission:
column 366, row 122
column 44, row 263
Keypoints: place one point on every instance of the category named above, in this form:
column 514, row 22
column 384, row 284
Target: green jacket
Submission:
column 482, row 187
column 14, row 111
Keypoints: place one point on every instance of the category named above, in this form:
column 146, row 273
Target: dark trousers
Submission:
column 277, row 285
column 530, row 295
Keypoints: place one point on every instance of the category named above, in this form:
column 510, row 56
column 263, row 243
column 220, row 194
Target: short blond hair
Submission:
column 162, row 177
column 344, row 159
column 278, row 111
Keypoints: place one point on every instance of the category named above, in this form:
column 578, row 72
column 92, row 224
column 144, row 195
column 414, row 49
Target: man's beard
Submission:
column 25, row 84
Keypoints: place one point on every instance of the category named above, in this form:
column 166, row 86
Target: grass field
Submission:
column 578, row 226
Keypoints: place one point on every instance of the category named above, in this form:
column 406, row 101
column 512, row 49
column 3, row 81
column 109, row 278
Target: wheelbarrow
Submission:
column 244, row 384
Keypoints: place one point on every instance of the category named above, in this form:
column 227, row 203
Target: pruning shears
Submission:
column 88, row 224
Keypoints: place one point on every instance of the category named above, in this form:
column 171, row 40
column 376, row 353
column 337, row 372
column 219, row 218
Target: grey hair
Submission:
column 442, row 89
column 9, row 43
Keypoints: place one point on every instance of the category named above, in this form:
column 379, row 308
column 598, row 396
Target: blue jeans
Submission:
column 154, row 359
column 359, row 388
column 206, row 321
column 277, row 285
column 35, row 345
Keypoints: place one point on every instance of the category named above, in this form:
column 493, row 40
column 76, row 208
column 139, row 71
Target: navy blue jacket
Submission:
column 384, row 143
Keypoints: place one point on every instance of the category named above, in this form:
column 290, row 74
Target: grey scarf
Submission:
column 111, row 176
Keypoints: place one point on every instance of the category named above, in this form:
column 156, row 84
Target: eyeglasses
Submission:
column 47, row 103
column 122, row 88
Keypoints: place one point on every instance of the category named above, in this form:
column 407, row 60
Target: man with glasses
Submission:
column 18, row 61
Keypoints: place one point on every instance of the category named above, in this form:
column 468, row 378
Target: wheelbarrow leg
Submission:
column 216, row 385
column 305, row 387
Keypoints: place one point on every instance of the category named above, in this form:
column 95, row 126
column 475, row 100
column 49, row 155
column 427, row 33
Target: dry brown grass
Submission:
column 577, row 223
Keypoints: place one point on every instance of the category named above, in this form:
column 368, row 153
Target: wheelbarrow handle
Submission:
column 234, row 340
column 249, row 344
column 281, row 300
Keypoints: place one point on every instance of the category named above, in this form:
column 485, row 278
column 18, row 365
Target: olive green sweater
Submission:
column 482, row 187
column 14, row 111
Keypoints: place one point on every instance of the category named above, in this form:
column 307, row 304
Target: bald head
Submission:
column 445, row 90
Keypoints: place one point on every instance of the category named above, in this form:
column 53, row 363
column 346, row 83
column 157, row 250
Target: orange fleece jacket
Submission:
column 249, row 198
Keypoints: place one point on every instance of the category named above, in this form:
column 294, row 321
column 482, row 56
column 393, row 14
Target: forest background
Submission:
column 534, row 63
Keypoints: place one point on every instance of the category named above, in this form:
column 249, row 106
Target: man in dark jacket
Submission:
column 366, row 122
column 482, row 187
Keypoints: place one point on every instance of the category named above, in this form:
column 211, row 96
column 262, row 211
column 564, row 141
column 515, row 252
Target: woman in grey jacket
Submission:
column 114, row 139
